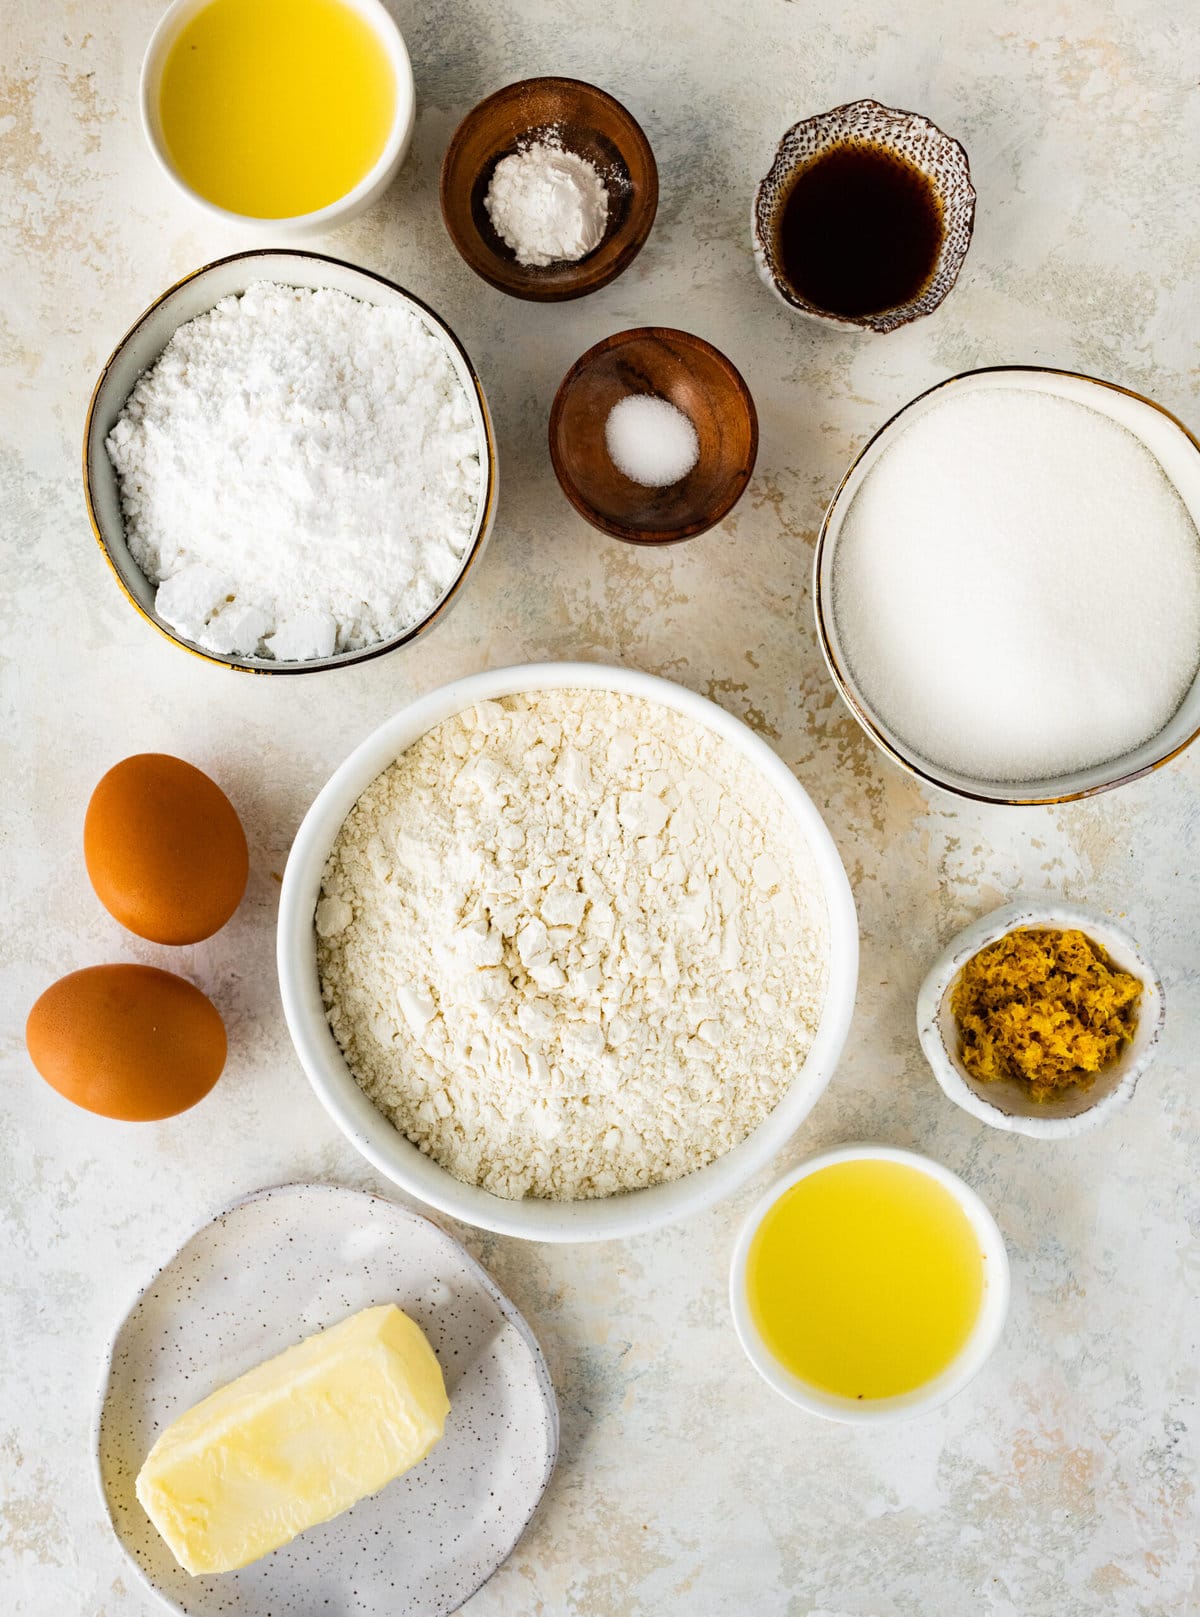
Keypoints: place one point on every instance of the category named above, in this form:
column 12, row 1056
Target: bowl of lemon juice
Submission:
column 296, row 112
column 870, row 1284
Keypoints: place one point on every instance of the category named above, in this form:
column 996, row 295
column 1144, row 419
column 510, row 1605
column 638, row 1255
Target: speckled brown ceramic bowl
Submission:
column 690, row 374
column 586, row 120
column 912, row 137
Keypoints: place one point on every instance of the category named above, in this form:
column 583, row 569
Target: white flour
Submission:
column 570, row 944
column 548, row 204
column 300, row 474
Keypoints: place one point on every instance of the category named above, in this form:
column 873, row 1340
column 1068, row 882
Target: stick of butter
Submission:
column 295, row 1441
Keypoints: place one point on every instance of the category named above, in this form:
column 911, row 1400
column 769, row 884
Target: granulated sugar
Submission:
column 571, row 944
column 300, row 473
column 1016, row 587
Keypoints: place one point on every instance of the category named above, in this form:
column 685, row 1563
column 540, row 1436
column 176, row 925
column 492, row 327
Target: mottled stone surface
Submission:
column 1064, row 1480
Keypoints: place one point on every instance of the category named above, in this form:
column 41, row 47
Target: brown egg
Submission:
column 130, row 1042
column 165, row 849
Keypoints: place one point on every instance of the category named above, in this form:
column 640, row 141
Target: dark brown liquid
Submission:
column 859, row 231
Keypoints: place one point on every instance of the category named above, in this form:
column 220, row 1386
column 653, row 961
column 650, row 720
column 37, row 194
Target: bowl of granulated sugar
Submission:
column 1007, row 586
column 289, row 464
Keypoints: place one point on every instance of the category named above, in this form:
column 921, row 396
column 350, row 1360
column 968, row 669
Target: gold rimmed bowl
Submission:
column 910, row 138
column 1178, row 454
column 141, row 346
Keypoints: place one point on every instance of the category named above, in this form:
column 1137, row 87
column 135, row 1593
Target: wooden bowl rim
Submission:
column 740, row 392
column 574, row 280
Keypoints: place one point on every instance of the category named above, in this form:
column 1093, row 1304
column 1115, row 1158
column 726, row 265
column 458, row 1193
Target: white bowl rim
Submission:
column 488, row 458
column 985, row 1334
column 395, row 149
column 997, row 923
column 996, row 792
column 600, row 1218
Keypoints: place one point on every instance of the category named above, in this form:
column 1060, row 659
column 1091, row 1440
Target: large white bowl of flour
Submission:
column 750, row 952
column 1007, row 586
column 289, row 464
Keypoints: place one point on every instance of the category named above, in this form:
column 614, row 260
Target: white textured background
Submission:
column 1064, row 1481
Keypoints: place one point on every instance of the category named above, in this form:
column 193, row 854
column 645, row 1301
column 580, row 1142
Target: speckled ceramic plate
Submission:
column 262, row 1275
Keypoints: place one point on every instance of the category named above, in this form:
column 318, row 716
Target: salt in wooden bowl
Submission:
column 698, row 380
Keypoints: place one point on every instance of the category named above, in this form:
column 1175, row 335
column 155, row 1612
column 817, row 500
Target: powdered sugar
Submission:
column 548, row 204
column 571, row 945
column 300, row 473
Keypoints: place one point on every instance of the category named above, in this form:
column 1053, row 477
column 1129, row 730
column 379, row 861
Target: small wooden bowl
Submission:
column 693, row 376
column 587, row 121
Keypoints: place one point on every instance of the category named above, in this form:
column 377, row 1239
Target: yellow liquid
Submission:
column 276, row 107
column 865, row 1279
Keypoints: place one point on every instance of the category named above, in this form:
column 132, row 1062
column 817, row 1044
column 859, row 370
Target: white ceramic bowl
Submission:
column 375, row 1136
column 144, row 342
column 372, row 185
column 975, row 1353
column 1177, row 452
column 1003, row 1102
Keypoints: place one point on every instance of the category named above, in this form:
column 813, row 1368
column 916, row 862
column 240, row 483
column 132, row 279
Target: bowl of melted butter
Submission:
column 299, row 112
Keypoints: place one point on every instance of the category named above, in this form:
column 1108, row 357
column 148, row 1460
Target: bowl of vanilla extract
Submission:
column 865, row 217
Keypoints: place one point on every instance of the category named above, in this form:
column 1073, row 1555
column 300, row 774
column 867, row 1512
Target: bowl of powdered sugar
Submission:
column 1007, row 586
column 289, row 464
column 566, row 951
